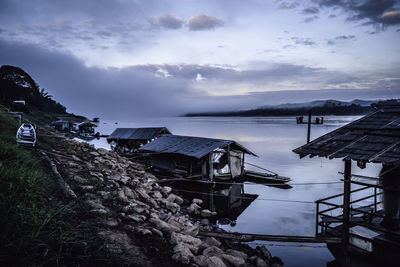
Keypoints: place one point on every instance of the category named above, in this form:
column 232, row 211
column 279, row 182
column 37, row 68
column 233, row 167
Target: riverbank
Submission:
column 131, row 219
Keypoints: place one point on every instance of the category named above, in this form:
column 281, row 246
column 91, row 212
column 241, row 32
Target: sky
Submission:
column 127, row 58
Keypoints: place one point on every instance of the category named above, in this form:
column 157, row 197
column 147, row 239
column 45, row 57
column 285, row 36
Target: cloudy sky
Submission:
column 145, row 57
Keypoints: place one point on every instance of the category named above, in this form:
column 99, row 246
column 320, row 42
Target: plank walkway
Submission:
column 276, row 238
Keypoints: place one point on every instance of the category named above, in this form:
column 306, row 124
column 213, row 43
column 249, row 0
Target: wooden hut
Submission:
column 62, row 125
column 127, row 140
column 356, row 219
column 86, row 127
column 197, row 157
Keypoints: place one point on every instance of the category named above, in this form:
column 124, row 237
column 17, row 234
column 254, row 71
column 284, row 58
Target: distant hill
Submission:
column 16, row 84
column 319, row 107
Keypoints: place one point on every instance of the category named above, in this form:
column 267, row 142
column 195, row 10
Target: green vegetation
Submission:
column 38, row 225
column 16, row 84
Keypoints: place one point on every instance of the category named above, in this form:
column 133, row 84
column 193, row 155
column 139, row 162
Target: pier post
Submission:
column 346, row 208
column 309, row 127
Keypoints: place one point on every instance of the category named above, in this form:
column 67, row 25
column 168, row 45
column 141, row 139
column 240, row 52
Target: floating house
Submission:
column 62, row 125
column 197, row 157
column 367, row 226
column 86, row 127
column 127, row 140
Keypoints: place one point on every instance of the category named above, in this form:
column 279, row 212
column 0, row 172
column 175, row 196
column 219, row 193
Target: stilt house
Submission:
column 366, row 225
column 197, row 157
column 128, row 140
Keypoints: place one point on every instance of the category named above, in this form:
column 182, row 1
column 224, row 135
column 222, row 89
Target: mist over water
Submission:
column 272, row 139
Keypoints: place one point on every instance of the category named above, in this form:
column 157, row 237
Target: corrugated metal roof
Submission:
column 373, row 138
column 137, row 133
column 191, row 146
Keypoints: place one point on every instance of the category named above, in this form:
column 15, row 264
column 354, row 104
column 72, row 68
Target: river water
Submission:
column 275, row 210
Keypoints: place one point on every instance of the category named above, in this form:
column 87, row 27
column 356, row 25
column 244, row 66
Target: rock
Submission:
column 182, row 254
column 211, row 241
column 75, row 158
column 136, row 218
column 178, row 200
column 99, row 212
column 143, row 231
column 157, row 232
column 192, row 230
column 173, row 207
column 94, row 205
column 215, row 262
column 265, row 253
column 233, row 261
column 102, row 151
column 200, row 260
column 194, row 209
column 166, row 190
column 212, row 251
column 80, row 180
column 205, row 222
column 110, row 222
column 260, row 262
column 105, row 195
column 87, row 188
column 142, row 193
column 197, row 201
column 115, row 177
column 276, row 265
column 95, row 154
column 124, row 179
column 128, row 192
column 236, row 253
column 193, row 242
column 157, row 194
column 163, row 226
column 277, row 260
column 207, row 213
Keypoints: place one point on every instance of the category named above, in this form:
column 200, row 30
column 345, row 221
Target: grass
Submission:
column 38, row 225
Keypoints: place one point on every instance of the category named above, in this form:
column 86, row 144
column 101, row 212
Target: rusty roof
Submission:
column 372, row 138
column 191, row 146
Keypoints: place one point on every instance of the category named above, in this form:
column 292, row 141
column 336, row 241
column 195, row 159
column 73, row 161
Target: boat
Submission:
column 26, row 135
column 265, row 177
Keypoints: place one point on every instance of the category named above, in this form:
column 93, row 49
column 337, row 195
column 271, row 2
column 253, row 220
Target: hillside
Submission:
column 321, row 107
column 16, row 84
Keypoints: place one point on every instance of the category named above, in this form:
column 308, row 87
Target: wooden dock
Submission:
column 243, row 237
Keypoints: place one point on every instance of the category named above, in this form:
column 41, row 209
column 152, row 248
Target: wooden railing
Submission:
column 327, row 220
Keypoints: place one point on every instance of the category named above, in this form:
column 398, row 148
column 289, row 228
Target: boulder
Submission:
column 187, row 239
column 163, row 226
column 260, row 262
column 236, row 253
column 191, row 230
column 215, row 262
column 197, row 201
column 182, row 254
column 207, row 213
column 265, row 253
column 105, row 195
column 173, row 207
column 102, row 151
column 166, row 190
column 194, row 209
column 200, row 260
column 94, row 153
column 233, row 261
column 213, row 251
column 211, row 241
column 205, row 222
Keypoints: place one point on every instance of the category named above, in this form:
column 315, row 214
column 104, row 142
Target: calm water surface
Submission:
column 272, row 139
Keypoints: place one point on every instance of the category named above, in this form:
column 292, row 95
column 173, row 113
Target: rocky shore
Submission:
column 140, row 221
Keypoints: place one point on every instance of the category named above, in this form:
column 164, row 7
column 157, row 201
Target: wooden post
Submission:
column 346, row 207
column 210, row 167
column 309, row 127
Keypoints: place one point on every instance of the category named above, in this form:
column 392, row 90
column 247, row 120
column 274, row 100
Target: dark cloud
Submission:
column 310, row 19
column 170, row 21
column 288, row 5
column 303, row 41
column 203, row 22
column 375, row 11
column 311, row 10
column 331, row 16
column 341, row 38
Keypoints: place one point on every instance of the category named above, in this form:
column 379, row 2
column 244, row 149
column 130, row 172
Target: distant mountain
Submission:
column 16, row 84
column 319, row 107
